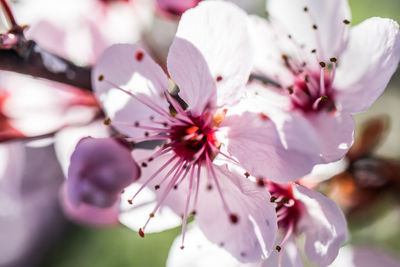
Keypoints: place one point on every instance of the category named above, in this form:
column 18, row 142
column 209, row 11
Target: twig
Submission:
column 26, row 57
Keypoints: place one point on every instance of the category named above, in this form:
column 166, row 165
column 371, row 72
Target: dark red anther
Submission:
column 107, row 121
column 144, row 164
column 141, row 233
column 219, row 78
column 263, row 116
column 246, row 174
column 234, row 218
column 156, row 187
column 139, row 55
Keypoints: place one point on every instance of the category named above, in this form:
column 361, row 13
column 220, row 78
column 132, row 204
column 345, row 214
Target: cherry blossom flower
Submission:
column 322, row 68
column 304, row 211
column 210, row 65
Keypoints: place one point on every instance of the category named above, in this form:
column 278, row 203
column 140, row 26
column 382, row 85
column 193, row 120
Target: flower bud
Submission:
column 99, row 171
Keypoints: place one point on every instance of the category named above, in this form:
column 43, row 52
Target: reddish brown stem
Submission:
column 8, row 13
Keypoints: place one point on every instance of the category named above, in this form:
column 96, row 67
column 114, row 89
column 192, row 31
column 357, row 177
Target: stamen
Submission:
column 155, row 174
column 210, row 168
column 185, row 214
column 150, row 104
column 322, row 81
column 166, row 192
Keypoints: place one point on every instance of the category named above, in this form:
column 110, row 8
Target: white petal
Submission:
column 206, row 48
column 131, row 68
column 327, row 15
column 252, row 237
column 323, row 224
column 367, row 64
column 200, row 252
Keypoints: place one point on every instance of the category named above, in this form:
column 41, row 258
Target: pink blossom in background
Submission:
column 175, row 7
column 324, row 69
column 28, row 203
column 210, row 66
column 31, row 107
column 81, row 30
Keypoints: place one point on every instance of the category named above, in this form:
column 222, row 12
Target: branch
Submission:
column 27, row 57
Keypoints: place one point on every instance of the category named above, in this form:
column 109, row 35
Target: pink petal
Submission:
column 363, row 257
column 131, row 68
column 275, row 145
column 335, row 132
column 209, row 62
column 326, row 15
column 367, row 64
column 87, row 214
column 291, row 256
column 323, row 224
column 200, row 252
column 252, row 237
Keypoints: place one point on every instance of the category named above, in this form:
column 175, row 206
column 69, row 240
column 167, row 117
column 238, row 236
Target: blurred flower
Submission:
column 28, row 203
column 132, row 90
column 320, row 68
column 206, row 254
column 175, row 7
column 367, row 176
column 81, row 30
column 32, row 108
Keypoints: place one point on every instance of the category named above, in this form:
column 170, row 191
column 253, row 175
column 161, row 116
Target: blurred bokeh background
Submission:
column 44, row 237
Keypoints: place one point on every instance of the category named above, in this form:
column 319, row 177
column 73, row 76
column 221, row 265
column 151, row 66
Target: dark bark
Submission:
column 28, row 58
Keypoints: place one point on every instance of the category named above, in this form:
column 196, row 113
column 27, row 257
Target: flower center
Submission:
column 312, row 92
column 191, row 141
column 288, row 209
